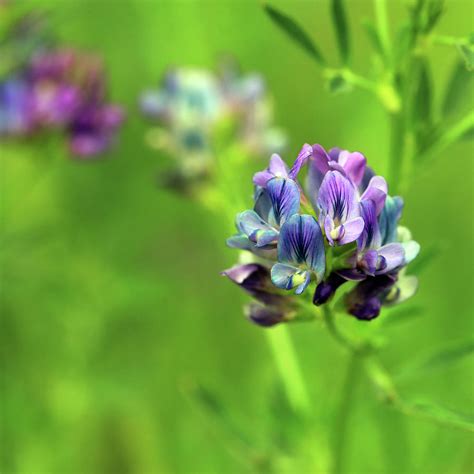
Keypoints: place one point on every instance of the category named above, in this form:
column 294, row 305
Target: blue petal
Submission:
column 301, row 242
column 288, row 277
column 388, row 219
column 285, row 198
column 255, row 228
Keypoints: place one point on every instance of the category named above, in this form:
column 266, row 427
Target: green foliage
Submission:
column 459, row 93
column 439, row 359
column 339, row 17
column 295, row 32
column 439, row 414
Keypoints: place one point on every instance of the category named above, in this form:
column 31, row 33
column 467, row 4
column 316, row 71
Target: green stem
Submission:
column 287, row 364
column 334, row 331
column 382, row 24
column 343, row 417
column 397, row 147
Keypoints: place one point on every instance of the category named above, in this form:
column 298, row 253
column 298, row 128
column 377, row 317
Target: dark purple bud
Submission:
column 264, row 315
column 326, row 289
column 365, row 300
column 255, row 280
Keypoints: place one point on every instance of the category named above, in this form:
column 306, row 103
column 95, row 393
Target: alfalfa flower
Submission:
column 193, row 108
column 350, row 234
column 59, row 89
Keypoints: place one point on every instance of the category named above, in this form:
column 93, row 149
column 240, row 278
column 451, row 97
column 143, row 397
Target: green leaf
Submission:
column 402, row 314
column 439, row 414
column 426, row 257
column 467, row 53
column 459, row 93
column 422, row 94
column 339, row 19
column 295, row 32
column 439, row 359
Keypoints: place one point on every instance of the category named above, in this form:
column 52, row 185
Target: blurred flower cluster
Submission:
column 50, row 88
column 192, row 108
column 341, row 227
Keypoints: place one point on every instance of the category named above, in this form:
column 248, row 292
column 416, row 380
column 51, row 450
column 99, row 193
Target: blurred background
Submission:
column 111, row 300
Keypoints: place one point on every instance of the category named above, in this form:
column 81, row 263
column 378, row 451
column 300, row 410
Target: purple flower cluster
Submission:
column 341, row 227
column 64, row 90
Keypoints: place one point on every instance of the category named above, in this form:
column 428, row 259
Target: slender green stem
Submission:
column 449, row 40
column 396, row 153
column 334, row 331
column 343, row 417
column 382, row 24
column 287, row 364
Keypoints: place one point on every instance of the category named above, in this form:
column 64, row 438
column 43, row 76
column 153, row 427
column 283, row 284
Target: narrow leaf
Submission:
column 295, row 32
column 339, row 19
column 423, row 94
column 439, row 414
column 439, row 359
column 374, row 37
column 404, row 313
column 459, row 93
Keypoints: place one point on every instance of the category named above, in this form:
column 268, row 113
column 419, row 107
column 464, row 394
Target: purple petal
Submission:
column 370, row 237
column 364, row 301
column 302, row 158
column 262, row 177
column 377, row 192
column 393, row 256
column 255, row 280
column 351, row 230
column 338, row 198
column 88, row 145
column 276, row 168
column 334, row 153
column 285, row 197
column 320, row 159
column 326, row 289
column 301, row 242
column 353, row 164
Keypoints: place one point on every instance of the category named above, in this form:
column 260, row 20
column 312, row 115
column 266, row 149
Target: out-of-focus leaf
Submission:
column 439, row 414
column 439, row 359
column 426, row 257
column 213, row 409
column 404, row 40
column 402, row 314
column 339, row 19
column 459, row 91
column 467, row 53
column 469, row 135
column 295, row 32
column 433, row 12
column 373, row 36
column 422, row 94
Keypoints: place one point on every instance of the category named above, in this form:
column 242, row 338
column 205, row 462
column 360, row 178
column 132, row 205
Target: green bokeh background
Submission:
column 111, row 298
